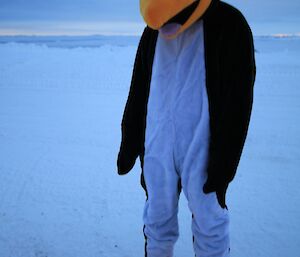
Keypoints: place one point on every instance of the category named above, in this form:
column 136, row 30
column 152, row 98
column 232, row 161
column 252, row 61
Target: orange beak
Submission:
column 157, row 12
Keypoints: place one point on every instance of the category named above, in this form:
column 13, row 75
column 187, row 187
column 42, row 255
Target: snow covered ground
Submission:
column 60, row 195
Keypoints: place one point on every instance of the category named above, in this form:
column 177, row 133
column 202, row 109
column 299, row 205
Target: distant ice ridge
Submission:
column 100, row 40
column 72, row 41
column 282, row 35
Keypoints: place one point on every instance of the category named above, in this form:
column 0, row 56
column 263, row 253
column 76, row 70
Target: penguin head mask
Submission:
column 172, row 17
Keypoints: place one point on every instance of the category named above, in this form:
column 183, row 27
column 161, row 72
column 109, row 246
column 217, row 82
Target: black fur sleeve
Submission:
column 131, row 125
column 236, row 106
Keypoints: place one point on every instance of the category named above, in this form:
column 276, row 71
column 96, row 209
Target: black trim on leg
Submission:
column 143, row 184
column 142, row 178
column 145, row 247
column 193, row 234
column 179, row 187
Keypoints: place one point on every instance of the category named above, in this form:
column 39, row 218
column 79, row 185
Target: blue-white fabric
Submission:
column 176, row 147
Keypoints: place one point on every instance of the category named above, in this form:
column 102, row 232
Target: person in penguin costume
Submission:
column 187, row 117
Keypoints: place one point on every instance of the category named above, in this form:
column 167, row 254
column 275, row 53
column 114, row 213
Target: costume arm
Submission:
column 132, row 116
column 235, row 110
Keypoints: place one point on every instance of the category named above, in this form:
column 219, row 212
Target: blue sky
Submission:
column 99, row 16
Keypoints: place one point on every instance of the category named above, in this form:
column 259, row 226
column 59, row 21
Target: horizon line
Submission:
column 117, row 34
column 119, row 28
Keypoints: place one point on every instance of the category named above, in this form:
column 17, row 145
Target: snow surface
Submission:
column 60, row 195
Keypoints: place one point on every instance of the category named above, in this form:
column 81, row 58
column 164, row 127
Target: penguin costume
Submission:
column 187, row 117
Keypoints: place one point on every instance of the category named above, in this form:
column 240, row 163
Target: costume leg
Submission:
column 210, row 222
column 161, row 182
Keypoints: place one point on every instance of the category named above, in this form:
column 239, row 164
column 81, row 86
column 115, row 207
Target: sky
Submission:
column 123, row 17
